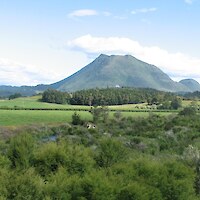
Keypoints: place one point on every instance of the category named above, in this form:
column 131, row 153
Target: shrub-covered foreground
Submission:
column 122, row 158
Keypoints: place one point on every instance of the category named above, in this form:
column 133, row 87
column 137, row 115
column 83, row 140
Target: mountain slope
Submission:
column 6, row 91
column 191, row 84
column 109, row 71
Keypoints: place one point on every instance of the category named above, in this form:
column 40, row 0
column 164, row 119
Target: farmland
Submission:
column 34, row 102
column 12, row 112
column 43, row 149
column 150, row 157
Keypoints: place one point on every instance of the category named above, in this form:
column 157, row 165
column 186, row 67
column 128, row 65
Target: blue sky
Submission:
column 44, row 41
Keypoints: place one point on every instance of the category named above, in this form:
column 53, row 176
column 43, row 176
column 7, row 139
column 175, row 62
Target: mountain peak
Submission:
column 124, row 70
column 102, row 55
column 192, row 84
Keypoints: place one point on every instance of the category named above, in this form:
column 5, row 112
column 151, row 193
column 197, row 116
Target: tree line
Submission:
column 113, row 96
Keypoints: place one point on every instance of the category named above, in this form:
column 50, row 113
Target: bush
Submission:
column 25, row 186
column 20, row 150
column 188, row 111
column 76, row 119
column 14, row 96
column 111, row 151
column 49, row 158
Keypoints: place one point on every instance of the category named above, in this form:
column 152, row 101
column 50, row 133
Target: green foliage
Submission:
column 191, row 155
column 188, row 111
column 49, row 158
column 79, row 159
column 117, row 115
column 176, row 103
column 76, row 119
column 26, row 186
column 135, row 191
column 52, row 156
column 119, row 96
column 63, row 186
column 4, row 182
column 20, row 150
column 192, row 95
column 54, row 96
column 110, row 152
column 14, row 96
column 99, row 113
column 125, row 158
column 97, row 185
column 4, row 161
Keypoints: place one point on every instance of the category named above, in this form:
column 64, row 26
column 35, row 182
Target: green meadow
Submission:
column 34, row 102
column 26, row 117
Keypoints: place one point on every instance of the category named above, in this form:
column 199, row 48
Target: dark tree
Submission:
column 14, row 96
column 54, row 96
column 176, row 103
column 76, row 119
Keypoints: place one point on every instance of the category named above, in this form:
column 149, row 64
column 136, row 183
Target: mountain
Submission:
column 191, row 84
column 6, row 91
column 109, row 71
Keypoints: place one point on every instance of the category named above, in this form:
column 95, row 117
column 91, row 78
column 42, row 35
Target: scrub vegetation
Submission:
column 100, row 154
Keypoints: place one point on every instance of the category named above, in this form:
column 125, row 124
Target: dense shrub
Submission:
column 125, row 158
column 20, row 150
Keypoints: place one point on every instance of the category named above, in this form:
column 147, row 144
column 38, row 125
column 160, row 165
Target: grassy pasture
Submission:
column 25, row 117
column 186, row 103
column 142, row 114
column 128, row 106
column 34, row 102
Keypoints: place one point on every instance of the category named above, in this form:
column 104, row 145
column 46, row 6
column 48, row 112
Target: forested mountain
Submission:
column 111, row 71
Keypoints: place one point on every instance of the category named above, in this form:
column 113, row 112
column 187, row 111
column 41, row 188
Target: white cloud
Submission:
column 175, row 64
column 143, row 10
column 82, row 13
column 14, row 73
column 189, row 1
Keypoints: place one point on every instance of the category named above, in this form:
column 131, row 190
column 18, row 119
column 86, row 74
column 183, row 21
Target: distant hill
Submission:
column 111, row 71
column 6, row 91
column 191, row 84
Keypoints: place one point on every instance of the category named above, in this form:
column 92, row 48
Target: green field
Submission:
column 34, row 102
column 186, row 103
column 25, row 117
